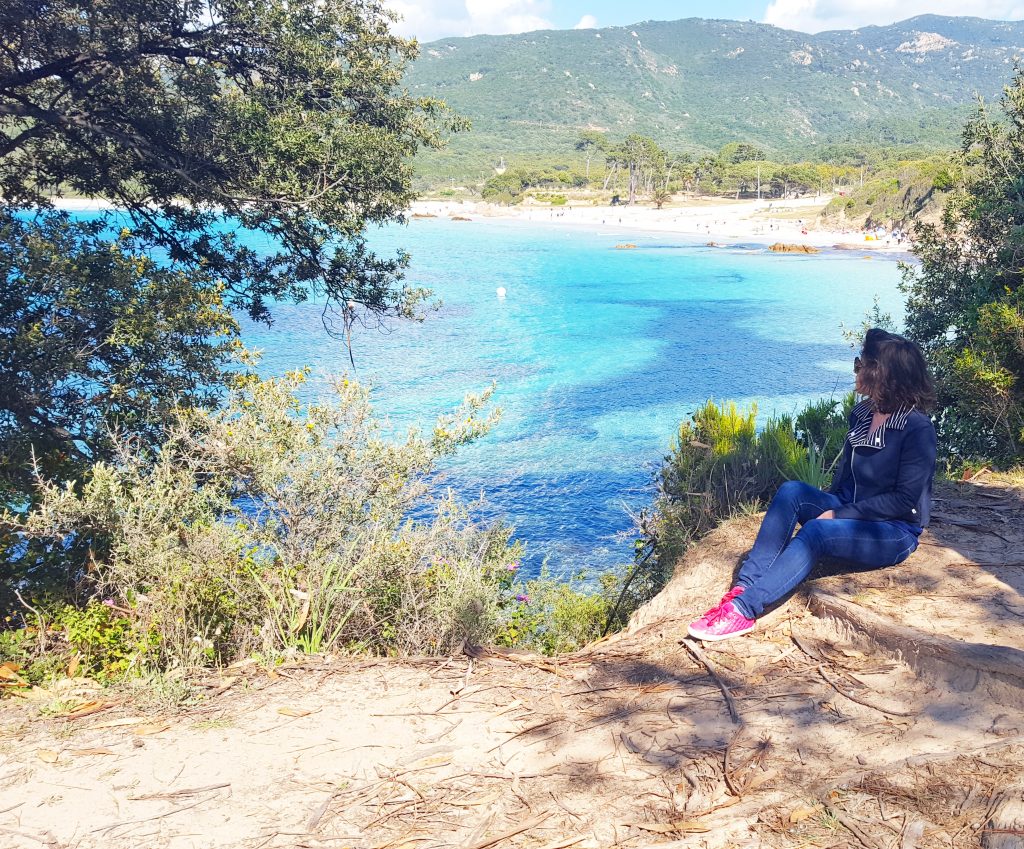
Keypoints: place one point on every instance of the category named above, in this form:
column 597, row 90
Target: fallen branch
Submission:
column 807, row 649
column 318, row 815
column 527, row 730
column 47, row 840
column 726, row 767
column 526, row 826
column 852, row 827
column 176, row 794
column 860, row 701
column 511, row 656
column 702, row 659
column 165, row 814
column 223, row 688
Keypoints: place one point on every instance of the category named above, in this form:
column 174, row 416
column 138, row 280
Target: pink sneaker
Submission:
column 705, row 620
column 724, row 623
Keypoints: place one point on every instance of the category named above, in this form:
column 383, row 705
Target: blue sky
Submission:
column 431, row 19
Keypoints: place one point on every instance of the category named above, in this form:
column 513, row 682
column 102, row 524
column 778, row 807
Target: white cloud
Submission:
column 587, row 22
column 432, row 19
column 819, row 15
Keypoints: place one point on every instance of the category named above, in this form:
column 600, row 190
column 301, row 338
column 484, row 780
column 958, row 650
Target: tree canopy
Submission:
column 285, row 115
column 97, row 338
column 965, row 303
column 197, row 120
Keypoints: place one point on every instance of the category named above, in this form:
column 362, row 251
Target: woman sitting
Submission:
column 877, row 506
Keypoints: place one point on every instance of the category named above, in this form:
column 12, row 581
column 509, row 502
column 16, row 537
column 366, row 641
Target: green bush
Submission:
column 720, row 464
column 965, row 299
column 272, row 525
column 57, row 639
column 504, row 188
column 822, row 426
column 944, row 181
column 554, row 615
column 897, row 193
column 24, row 654
column 554, row 200
column 101, row 640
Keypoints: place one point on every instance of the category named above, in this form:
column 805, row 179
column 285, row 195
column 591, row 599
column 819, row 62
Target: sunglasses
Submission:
column 859, row 364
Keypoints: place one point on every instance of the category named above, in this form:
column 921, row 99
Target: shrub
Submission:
column 273, row 525
column 100, row 640
column 23, row 656
column 504, row 188
column 720, row 464
column 944, row 180
column 555, row 615
column 822, row 426
column 965, row 299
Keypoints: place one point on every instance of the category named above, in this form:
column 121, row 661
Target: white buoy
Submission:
column 500, row 291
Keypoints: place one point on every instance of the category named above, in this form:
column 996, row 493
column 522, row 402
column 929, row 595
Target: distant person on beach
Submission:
column 877, row 506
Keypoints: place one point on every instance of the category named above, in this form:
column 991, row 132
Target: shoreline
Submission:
column 721, row 221
column 713, row 222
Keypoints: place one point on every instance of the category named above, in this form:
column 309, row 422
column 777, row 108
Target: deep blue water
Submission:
column 598, row 355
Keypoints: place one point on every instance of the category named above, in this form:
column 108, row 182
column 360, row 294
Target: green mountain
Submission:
column 697, row 84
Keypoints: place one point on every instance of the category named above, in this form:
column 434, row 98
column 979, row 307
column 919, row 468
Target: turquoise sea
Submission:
column 598, row 355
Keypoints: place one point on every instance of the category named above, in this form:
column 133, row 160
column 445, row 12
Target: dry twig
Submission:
column 860, row 701
column 505, row 835
column 46, row 839
column 318, row 815
column 176, row 794
column 165, row 814
column 852, row 827
column 726, row 766
column 703, row 660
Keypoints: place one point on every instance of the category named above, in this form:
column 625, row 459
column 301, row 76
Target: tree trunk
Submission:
column 608, row 179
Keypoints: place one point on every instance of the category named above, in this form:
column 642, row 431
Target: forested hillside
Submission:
column 697, row 84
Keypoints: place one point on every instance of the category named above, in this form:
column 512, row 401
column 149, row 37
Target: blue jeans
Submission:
column 779, row 561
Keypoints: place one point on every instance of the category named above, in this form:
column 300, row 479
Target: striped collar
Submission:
column 862, row 414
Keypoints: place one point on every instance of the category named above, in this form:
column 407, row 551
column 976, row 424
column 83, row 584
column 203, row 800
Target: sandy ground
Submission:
column 706, row 219
column 810, row 732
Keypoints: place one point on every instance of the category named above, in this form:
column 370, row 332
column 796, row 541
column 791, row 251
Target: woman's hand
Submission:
column 828, row 514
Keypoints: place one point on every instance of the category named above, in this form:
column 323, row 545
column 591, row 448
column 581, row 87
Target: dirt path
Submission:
column 810, row 732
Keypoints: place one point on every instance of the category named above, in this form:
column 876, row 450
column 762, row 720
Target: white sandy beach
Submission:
column 718, row 220
column 723, row 221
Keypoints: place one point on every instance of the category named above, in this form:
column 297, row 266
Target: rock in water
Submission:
column 783, row 248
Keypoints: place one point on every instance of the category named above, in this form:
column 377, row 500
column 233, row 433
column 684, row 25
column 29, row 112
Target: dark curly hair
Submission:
column 894, row 372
